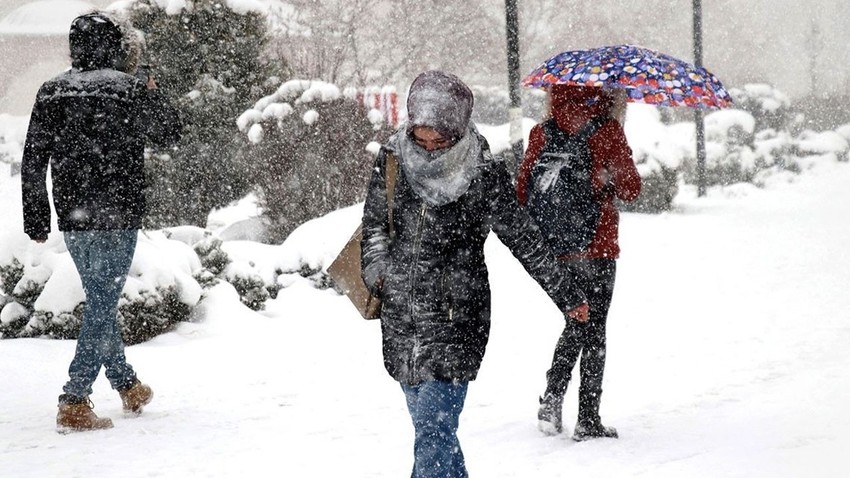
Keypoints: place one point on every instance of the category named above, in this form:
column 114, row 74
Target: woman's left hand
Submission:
column 580, row 313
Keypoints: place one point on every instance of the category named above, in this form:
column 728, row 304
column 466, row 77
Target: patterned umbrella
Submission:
column 647, row 76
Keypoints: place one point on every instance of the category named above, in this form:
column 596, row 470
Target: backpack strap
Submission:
column 591, row 127
column 551, row 130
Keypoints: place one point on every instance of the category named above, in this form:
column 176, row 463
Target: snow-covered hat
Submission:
column 441, row 101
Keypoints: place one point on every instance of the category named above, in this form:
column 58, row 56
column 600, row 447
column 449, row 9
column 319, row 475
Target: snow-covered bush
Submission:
column 729, row 137
column 813, row 143
column 769, row 107
column 659, row 185
column 306, row 145
column 18, row 300
column 13, row 132
column 774, row 151
column 248, row 283
column 213, row 258
column 209, row 57
column 844, row 131
column 202, row 173
column 218, row 265
column 658, row 151
column 43, row 296
column 41, row 293
column 226, row 40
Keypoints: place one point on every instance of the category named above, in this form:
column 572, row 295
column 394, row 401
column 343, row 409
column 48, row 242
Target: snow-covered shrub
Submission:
column 213, row 258
column 811, row 143
column 209, row 57
column 659, row 186
column 248, row 283
column 10, row 275
column 43, row 295
column 318, row 277
column 774, row 150
column 658, row 151
column 306, row 145
column 19, row 301
column 770, row 108
column 10, row 153
column 12, row 318
column 151, row 313
column 186, row 41
column 13, row 132
column 844, row 131
column 253, row 271
column 202, row 173
column 217, row 265
column 730, row 158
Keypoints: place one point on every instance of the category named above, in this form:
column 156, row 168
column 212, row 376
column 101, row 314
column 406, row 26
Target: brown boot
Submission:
column 76, row 415
column 135, row 397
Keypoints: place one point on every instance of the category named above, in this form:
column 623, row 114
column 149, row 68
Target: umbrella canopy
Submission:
column 647, row 76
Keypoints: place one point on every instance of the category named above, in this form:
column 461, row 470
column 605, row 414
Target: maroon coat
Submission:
column 612, row 163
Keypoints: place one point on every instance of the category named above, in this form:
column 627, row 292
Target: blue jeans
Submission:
column 103, row 260
column 435, row 407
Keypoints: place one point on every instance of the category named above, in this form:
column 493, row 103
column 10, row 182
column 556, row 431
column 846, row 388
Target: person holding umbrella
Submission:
column 582, row 118
column 576, row 164
column 428, row 265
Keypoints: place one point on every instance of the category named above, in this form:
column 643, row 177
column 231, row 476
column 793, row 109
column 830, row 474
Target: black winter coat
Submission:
column 436, row 293
column 91, row 127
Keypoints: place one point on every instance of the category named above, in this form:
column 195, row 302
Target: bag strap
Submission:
column 591, row 127
column 392, row 173
column 551, row 131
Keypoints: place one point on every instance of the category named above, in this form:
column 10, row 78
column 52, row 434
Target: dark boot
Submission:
column 589, row 424
column 76, row 415
column 135, row 397
column 589, row 430
column 549, row 415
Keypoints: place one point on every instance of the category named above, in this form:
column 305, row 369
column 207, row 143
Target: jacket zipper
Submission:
column 446, row 296
column 417, row 243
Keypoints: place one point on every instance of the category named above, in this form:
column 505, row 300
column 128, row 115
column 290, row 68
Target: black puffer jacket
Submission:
column 91, row 124
column 436, row 294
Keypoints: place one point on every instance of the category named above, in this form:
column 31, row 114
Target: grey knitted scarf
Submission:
column 438, row 177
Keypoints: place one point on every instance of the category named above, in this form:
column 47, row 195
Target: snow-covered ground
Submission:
column 727, row 357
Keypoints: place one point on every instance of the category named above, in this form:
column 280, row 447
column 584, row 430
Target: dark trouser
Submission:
column 595, row 277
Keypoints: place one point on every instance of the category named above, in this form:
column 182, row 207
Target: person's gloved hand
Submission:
column 580, row 313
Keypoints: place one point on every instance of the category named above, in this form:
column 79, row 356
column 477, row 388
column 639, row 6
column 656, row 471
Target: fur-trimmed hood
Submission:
column 100, row 40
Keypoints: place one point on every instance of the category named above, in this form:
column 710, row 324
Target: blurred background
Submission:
column 798, row 47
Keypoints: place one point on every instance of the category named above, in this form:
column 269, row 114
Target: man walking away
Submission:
column 90, row 124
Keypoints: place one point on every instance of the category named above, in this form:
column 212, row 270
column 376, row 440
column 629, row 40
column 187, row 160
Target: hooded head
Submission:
column 573, row 106
column 99, row 40
column 441, row 101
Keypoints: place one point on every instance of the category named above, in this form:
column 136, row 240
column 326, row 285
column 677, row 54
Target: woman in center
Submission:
column 450, row 193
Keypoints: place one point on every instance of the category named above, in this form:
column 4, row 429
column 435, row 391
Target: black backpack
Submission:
column 561, row 199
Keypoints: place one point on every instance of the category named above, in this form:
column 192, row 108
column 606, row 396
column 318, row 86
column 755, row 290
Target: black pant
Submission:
column 595, row 277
